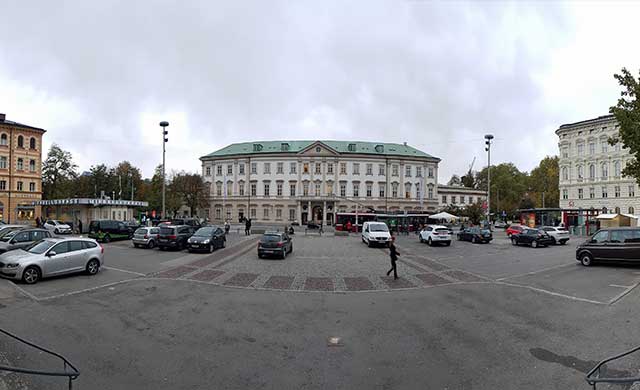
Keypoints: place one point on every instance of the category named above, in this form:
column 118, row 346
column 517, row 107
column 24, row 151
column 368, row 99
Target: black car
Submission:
column 610, row 244
column 533, row 237
column 106, row 230
column 186, row 221
column 22, row 238
column 174, row 237
column 275, row 243
column 312, row 225
column 475, row 235
column 207, row 238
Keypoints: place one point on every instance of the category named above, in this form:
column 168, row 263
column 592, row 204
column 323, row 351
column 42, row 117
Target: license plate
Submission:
column 267, row 251
column 195, row 246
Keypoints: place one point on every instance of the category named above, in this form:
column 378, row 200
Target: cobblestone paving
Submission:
column 325, row 263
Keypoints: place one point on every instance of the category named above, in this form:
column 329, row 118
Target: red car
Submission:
column 514, row 229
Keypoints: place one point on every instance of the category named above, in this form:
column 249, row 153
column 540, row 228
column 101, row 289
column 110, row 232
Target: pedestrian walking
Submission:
column 349, row 226
column 247, row 226
column 37, row 222
column 393, row 254
column 227, row 227
column 80, row 226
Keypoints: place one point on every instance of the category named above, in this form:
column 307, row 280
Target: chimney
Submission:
column 405, row 143
column 2, row 117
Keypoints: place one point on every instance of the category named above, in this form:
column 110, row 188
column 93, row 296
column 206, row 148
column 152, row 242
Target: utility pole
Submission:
column 488, row 138
column 164, row 125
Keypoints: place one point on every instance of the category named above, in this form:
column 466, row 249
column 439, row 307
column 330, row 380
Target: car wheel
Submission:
column 93, row 266
column 586, row 259
column 430, row 242
column 56, row 231
column 369, row 243
column 260, row 255
column 151, row 244
column 473, row 240
column 534, row 244
column 448, row 243
column 514, row 242
column 283, row 255
column 421, row 240
column 224, row 243
column 106, row 238
column 554, row 242
column 136, row 245
column 562, row 242
column 31, row 275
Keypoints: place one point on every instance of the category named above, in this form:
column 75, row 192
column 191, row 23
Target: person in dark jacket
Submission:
column 247, row 226
column 393, row 254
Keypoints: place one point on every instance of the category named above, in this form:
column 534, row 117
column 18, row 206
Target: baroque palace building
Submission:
column 590, row 170
column 300, row 181
column 20, row 171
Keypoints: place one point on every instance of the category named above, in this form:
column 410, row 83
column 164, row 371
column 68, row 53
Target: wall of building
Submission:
column 459, row 196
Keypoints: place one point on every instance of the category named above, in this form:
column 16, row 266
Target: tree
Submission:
column 469, row 180
column 154, row 193
column 508, row 185
column 474, row 212
column 544, row 179
column 627, row 113
column 58, row 171
column 192, row 190
column 125, row 175
column 101, row 180
column 454, row 181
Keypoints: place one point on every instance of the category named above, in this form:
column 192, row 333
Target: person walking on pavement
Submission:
column 393, row 254
column 37, row 222
column 247, row 226
column 80, row 226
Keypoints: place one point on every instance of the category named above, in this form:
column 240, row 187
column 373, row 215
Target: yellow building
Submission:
column 20, row 171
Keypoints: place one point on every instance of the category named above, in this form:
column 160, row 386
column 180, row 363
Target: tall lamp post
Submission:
column 488, row 138
column 164, row 125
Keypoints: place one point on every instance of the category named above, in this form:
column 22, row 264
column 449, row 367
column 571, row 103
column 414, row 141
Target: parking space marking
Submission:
column 535, row 272
column 123, row 270
column 23, row 291
column 619, row 286
column 541, row 290
column 622, row 294
column 84, row 290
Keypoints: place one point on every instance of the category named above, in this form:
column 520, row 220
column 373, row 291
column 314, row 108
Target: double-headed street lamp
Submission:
column 488, row 138
column 164, row 125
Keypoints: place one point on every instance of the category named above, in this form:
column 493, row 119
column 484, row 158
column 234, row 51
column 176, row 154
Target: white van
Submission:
column 375, row 233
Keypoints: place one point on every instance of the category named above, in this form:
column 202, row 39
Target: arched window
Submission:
column 604, row 171
column 32, row 143
column 565, row 173
column 20, row 141
column 604, row 210
column 616, row 168
column 580, row 172
column 20, row 166
column 631, row 210
column 3, row 139
column 617, row 210
column 592, row 171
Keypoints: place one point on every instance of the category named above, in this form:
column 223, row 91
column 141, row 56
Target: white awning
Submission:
column 444, row 215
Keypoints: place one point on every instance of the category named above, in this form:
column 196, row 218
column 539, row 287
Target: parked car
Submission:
column 174, row 236
column 559, row 234
column 6, row 229
column 475, row 235
column 51, row 257
column 186, row 221
column 312, row 225
column 500, row 225
column 22, row 238
column 514, row 229
column 57, row 227
column 533, row 237
column 435, row 234
column 375, row 233
column 207, row 238
column 106, row 230
column 275, row 243
column 146, row 237
column 132, row 225
column 610, row 244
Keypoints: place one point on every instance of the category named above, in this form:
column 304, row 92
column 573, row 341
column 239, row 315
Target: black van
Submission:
column 610, row 244
column 186, row 221
column 106, row 230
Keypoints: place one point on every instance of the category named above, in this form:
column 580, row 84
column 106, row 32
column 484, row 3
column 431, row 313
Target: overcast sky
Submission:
column 100, row 76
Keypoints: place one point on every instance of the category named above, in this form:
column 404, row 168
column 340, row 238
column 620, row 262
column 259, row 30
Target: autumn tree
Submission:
column 627, row 114
column 58, row 173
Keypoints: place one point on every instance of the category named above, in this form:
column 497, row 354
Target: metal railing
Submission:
column 69, row 370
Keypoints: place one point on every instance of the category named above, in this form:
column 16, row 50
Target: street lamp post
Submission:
column 164, row 125
column 488, row 138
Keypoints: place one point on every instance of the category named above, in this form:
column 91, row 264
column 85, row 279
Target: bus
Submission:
column 398, row 222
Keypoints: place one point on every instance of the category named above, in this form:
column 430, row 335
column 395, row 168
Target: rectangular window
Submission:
column 592, row 193
column 230, row 169
column 218, row 213
column 580, row 149
column 394, row 190
column 207, row 171
column 407, row 171
column 580, row 193
column 278, row 213
column 218, row 189
column 229, row 188
column 604, row 192
column 292, row 214
column 461, row 199
column 592, row 148
column 369, row 169
column 407, row 190
column 3, row 162
column 418, row 171
column 417, row 192
column 305, row 189
column 228, row 214
column 394, row 170
column 330, row 168
column 292, row 190
column 343, row 189
column 431, row 195
column 430, row 172
column 381, row 169
column 254, row 168
column 19, row 186
column 369, row 189
column 453, row 199
column 241, row 189
column 254, row 189
column 381, row 188
column 241, row 169
column 293, row 168
column 266, row 189
column 565, row 194
column 266, row 213
column 356, row 168
column 632, row 191
column 3, row 185
column 604, row 146
column 280, row 168
column 20, row 166
column 305, row 168
column 343, row 168
column 318, row 168
column 329, row 188
column 279, row 189
column 219, row 170
column 267, row 168
column 252, row 213
column 565, row 152
column 356, row 189
column 317, row 189
column 617, row 191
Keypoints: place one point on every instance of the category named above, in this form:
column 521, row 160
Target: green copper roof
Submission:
column 342, row 147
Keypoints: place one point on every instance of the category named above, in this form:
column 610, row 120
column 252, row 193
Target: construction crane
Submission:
column 471, row 166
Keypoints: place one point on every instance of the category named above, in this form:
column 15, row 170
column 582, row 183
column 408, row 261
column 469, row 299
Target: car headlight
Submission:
column 12, row 265
column 206, row 241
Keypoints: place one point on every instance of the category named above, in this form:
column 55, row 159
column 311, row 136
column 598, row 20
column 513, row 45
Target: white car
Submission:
column 57, row 227
column 375, row 233
column 434, row 234
column 559, row 234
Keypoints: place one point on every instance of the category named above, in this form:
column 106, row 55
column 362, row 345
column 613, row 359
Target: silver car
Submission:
column 559, row 234
column 146, row 237
column 51, row 257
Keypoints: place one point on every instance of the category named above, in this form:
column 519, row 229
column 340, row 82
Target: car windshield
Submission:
column 205, row 231
column 56, row 222
column 270, row 238
column 442, row 230
column 378, row 227
column 6, row 232
column 40, row 247
column 8, row 235
column 166, row 230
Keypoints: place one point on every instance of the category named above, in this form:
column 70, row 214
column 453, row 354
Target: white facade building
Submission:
column 460, row 196
column 286, row 181
column 590, row 170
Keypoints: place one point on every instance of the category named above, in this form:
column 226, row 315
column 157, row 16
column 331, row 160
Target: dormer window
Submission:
column 284, row 147
column 257, row 147
column 379, row 148
column 351, row 147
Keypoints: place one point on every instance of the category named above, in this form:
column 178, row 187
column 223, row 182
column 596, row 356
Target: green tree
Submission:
column 58, row 174
column 508, row 185
column 544, row 179
column 469, row 180
column 126, row 175
column 101, row 180
column 192, row 190
column 474, row 212
column 454, row 181
column 153, row 193
column 627, row 113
